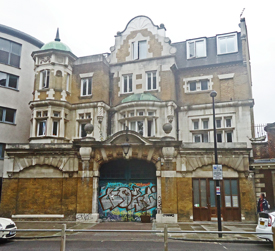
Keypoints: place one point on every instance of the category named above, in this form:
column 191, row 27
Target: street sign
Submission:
column 218, row 191
column 217, row 172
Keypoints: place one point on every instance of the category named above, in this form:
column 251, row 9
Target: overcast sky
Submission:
column 89, row 27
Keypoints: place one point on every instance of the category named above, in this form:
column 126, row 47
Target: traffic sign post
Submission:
column 217, row 172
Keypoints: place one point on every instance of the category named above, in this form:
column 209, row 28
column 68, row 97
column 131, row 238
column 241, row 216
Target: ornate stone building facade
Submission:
column 151, row 95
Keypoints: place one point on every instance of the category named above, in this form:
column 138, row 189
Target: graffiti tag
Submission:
column 129, row 198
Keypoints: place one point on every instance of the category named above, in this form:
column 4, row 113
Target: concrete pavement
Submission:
column 188, row 226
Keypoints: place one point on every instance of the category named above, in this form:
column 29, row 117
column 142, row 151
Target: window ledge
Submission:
column 11, row 66
column 226, row 53
column 154, row 90
column 41, row 118
column 7, row 123
column 126, row 93
column 9, row 88
column 44, row 89
column 198, row 92
column 200, row 130
column 194, row 58
column 85, row 97
column 84, row 120
column 56, row 118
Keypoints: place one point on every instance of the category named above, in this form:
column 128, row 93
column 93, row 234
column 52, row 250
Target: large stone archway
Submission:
column 127, row 190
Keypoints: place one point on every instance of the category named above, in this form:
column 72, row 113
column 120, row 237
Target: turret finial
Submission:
column 57, row 36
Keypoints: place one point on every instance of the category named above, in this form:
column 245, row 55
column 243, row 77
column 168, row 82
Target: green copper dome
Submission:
column 140, row 97
column 56, row 44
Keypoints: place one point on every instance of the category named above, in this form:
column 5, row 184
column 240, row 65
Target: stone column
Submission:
column 85, row 153
column 95, row 214
column 86, row 193
column 168, row 180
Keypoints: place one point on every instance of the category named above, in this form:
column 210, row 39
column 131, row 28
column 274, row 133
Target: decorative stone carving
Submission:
column 50, row 94
column 168, row 153
column 89, row 128
column 63, row 95
column 100, row 112
column 45, row 60
column 167, row 128
column 171, row 107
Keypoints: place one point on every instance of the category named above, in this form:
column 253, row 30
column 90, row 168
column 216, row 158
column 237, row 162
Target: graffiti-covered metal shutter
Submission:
column 127, row 189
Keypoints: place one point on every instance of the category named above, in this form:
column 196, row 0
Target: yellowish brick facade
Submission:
column 153, row 95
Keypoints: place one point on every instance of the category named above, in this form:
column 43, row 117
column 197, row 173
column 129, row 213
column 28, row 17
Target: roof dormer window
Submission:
column 227, row 43
column 196, row 48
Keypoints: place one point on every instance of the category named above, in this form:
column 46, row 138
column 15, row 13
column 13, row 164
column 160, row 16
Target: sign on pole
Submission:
column 217, row 172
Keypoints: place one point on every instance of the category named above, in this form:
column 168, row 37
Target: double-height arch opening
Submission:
column 127, row 190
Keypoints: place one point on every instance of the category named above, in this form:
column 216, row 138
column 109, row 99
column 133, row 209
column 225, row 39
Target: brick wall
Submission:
column 260, row 150
column 185, row 199
column 169, row 195
column 270, row 129
column 248, row 207
column 39, row 196
column 236, row 88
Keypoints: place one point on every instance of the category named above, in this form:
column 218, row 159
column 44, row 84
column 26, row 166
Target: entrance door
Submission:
column 200, row 199
column 127, row 189
column 205, row 203
column 231, row 200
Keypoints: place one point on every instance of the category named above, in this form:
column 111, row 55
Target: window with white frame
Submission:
column 227, row 43
column 201, row 85
column 7, row 115
column 9, row 80
column 201, row 130
column 205, row 123
column 222, row 125
column 228, row 122
column 219, row 137
column 44, row 79
column 137, row 126
column 150, row 127
column 196, row 48
column 141, row 120
column 229, row 136
column 41, row 128
column 225, row 136
column 55, row 128
column 218, row 123
column 198, row 84
column 127, row 83
column 196, row 124
column 86, row 86
column 151, row 79
column 56, row 114
column 139, row 49
column 10, row 52
column 201, row 137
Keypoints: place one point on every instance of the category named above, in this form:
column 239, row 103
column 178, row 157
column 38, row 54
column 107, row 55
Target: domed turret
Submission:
column 56, row 44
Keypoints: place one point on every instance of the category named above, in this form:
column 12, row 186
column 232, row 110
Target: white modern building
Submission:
column 16, row 86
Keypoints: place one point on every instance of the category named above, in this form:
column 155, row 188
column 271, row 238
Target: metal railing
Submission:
column 165, row 233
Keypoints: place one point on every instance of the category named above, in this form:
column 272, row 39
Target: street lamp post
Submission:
column 213, row 94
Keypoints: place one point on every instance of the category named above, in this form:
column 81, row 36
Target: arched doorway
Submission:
column 127, row 189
